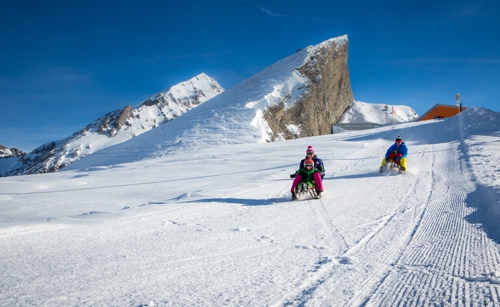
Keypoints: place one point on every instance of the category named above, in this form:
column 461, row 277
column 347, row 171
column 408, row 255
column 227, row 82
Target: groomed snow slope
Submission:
column 215, row 227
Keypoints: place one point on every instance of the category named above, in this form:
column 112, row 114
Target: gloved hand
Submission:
column 399, row 155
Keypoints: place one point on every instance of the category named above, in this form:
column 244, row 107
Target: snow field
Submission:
column 216, row 227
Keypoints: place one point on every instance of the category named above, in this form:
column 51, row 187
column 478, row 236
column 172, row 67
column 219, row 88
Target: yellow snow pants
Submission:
column 402, row 162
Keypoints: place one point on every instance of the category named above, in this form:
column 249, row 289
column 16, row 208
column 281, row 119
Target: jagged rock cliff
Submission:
column 327, row 94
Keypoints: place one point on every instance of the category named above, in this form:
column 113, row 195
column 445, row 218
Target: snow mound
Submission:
column 362, row 112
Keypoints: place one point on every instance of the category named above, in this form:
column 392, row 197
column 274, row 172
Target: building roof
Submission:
column 447, row 110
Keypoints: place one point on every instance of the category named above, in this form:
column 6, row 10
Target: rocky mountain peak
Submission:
column 189, row 93
column 12, row 152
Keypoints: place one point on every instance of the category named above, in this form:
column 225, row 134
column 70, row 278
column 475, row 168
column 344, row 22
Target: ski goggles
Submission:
column 309, row 165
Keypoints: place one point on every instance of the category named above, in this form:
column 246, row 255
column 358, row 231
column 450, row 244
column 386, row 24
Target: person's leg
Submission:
column 382, row 165
column 296, row 181
column 318, row 182
column 402, row 162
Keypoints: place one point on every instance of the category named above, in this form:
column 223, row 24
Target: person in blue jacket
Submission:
column 318, row 164
column 398, row 153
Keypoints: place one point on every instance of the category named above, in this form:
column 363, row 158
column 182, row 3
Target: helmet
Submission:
column 308, row 162
column 399, row 139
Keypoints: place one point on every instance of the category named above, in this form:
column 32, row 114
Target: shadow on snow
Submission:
column 485, row 200
column 243, row 201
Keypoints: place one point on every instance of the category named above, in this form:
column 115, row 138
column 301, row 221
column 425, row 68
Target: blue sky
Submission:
column 63, row 64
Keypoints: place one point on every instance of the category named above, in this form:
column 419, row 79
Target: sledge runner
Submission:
column 396, row 154
column 310, row 176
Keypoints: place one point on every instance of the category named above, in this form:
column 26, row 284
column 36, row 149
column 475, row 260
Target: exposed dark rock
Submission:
column 327, row 97
column 12, row 152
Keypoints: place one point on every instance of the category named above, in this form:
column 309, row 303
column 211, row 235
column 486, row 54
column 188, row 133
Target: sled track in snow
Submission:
column 411, row 270
column 329, row 273
column 326, row 263
column 412, row 219
column 450, row 274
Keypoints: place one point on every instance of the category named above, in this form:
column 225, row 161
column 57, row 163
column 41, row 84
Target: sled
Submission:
column 392, row 166
column 303, row 189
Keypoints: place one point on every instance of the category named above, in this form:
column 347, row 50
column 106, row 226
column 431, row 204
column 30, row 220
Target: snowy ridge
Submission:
column 214, row 226
column 178, row 99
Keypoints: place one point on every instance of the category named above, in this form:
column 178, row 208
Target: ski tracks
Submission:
column 452, row 269
column 326, row 234
column 395, row 263
column 325, row 285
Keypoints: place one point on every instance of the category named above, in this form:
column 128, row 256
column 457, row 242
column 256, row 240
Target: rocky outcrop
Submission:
column 327, row 95
column 114, row 121
column 38, row 161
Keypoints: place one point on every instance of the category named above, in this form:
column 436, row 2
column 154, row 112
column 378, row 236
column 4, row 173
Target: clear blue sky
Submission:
column 63, row 64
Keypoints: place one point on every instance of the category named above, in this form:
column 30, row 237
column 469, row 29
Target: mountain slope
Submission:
column 117, row 127
column 216, row 227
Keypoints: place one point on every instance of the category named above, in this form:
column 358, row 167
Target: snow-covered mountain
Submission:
column 116, row 127
column 241, row 114
column 216, row 227
column 298, row 96
column 12, row 152
column 362, row 112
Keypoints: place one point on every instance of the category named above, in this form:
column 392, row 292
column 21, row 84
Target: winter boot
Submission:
column 318, row 194
column 381, row 169
column 294, row 197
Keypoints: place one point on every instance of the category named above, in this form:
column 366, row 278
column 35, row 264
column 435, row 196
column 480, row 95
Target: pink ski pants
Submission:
column 317, row 181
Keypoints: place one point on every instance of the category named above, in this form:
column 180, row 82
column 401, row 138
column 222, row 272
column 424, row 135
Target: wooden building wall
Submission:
column 440, row 111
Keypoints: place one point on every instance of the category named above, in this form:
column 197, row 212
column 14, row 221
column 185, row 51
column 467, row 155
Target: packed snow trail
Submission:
column 399, row 259
column 221, row 230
